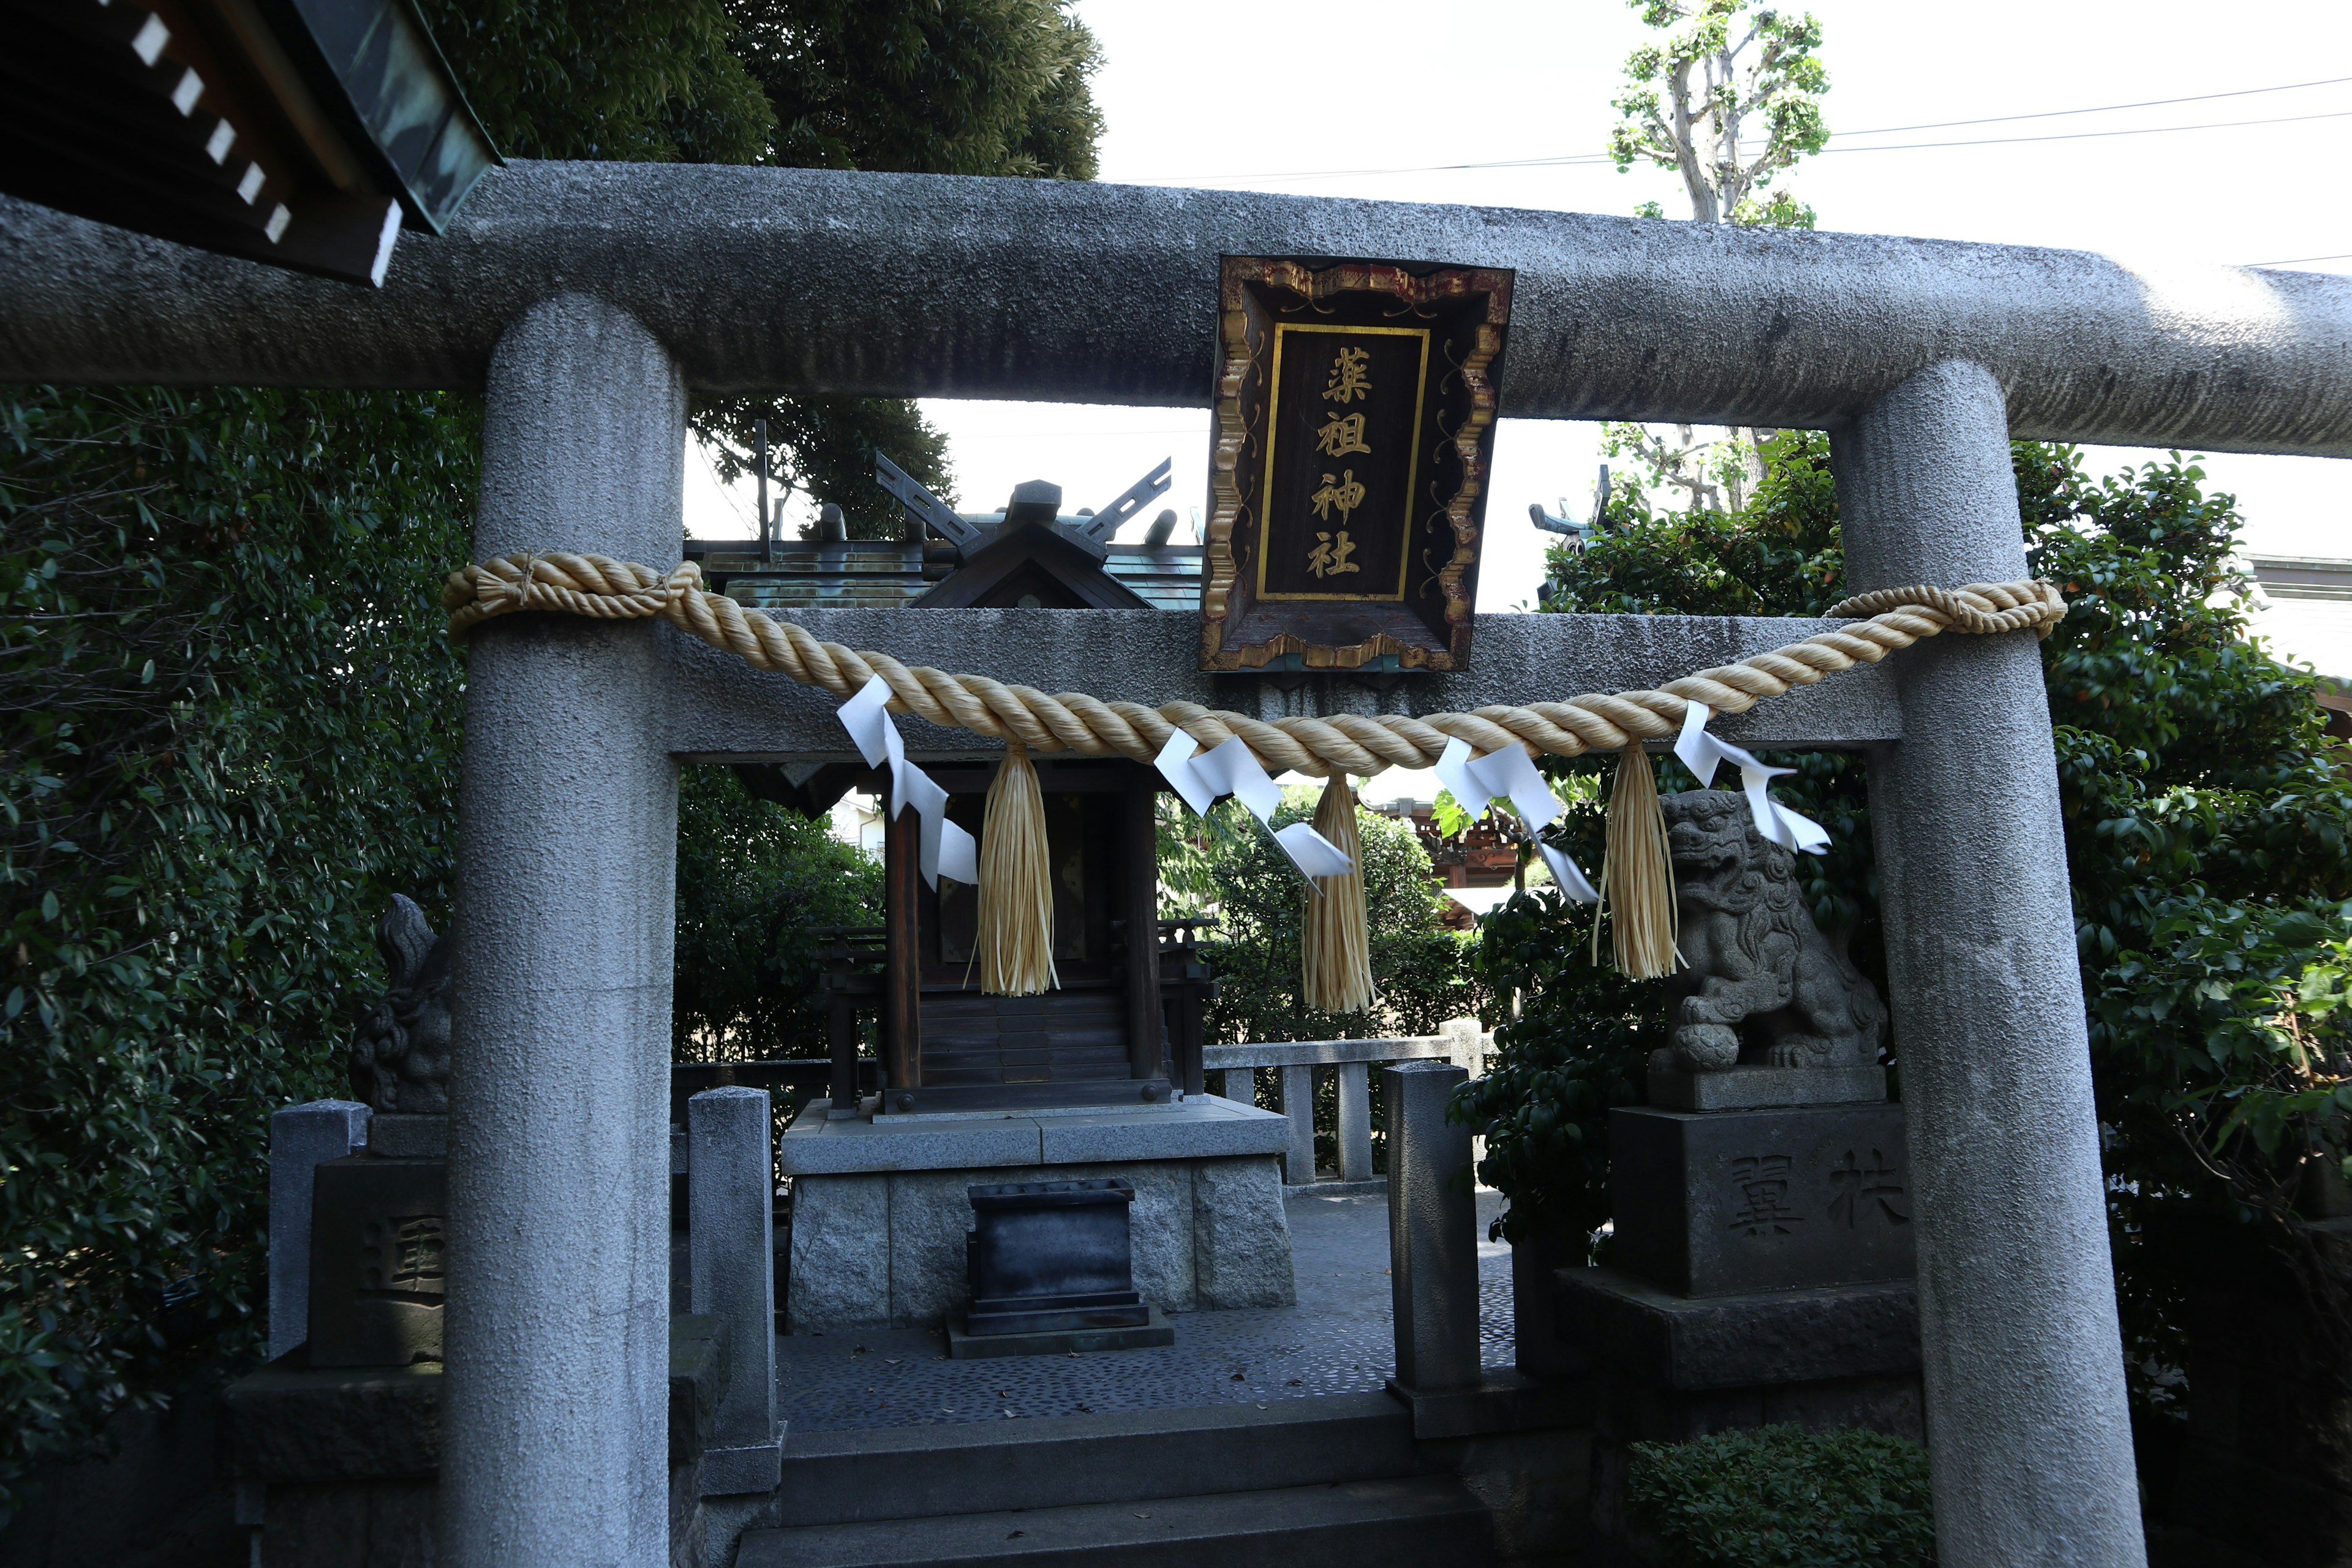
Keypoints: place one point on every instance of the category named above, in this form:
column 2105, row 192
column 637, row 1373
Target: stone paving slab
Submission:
column 1336, row 1340
column 1201, row 1127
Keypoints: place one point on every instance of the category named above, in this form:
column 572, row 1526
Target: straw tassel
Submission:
column 1016, row 889
column 1637, row 876
column 1336, row 955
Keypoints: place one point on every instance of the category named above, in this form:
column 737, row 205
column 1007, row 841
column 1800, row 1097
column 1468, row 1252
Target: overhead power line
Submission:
column 2093, row 135
column 2106, row 108
column 1572, row 160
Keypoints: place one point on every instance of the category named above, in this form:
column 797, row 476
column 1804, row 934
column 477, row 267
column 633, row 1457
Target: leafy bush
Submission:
column 2209, row 834
column 1578, row 1049
column 1781, row 1495
column 229, row 737
column 752, row 878
column 1421, row 969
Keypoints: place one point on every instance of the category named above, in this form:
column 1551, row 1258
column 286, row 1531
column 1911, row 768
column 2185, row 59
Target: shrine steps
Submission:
column 1296, row 1485
column 915, row 1472
column 1409, row 1522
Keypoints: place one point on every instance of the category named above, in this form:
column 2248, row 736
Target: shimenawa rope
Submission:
column 603, row 588
column 1016, row 922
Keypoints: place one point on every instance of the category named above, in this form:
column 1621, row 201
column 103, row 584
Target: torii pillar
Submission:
column 554, row 1434
column 2029, row 1440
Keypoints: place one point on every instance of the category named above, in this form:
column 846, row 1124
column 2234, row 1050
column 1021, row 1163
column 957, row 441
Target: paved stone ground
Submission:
column 1336, row 1340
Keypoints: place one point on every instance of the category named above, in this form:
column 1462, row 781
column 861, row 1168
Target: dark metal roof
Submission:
column 886, row 574
column 302, row 133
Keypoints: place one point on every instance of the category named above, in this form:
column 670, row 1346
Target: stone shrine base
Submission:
column 880, row 1211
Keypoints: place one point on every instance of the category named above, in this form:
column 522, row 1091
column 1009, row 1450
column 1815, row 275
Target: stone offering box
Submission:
column 1047, row 1256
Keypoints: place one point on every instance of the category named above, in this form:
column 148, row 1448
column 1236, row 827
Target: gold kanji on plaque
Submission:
column 1355, row 431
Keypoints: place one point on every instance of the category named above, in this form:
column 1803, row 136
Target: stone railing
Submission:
column 1231, row 1071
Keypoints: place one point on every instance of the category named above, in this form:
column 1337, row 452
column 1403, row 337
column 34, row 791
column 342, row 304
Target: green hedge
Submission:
column 1783, row 1496
column 230, row 722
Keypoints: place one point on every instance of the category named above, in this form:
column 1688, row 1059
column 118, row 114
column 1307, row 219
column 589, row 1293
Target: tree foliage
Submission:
column 1685, row 106
column 231, row 719
column 2210, row 852
column 755, row 881
column 1228, row 866
column 939, row 87
column 952, row 86
column 1689, row 97
column 621, row 80
column 230, row 730
column 947, row 87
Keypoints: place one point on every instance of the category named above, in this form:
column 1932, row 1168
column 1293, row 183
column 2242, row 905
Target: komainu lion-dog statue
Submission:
column 1760, row 972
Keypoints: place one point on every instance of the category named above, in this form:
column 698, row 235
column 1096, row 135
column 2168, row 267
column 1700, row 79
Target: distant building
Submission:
column 2304, row 610
column 1476, row 866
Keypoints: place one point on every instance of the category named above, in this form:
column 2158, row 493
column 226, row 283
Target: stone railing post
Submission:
column 2030, row 1442
column 1432, row 1231
column 554, row 1425
column 301, row 1139
column 1299, row 1104
column 730, row 1203
column 1355, row 1121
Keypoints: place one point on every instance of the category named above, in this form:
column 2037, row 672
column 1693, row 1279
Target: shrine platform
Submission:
column 881, row 1208
column 1336, row 1340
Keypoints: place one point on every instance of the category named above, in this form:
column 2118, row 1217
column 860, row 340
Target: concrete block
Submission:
column 301, row 1139
column 1433, row 1230
column 292, row 1422
column 1325, row 1053
column 820, row 1146
column 730, row 1184
column 1240, row 1085
column 1717, row 1203
column 700, row 1349
column 930, row 1214
column 1355, row 1122
column 1500, row 1402
column 877, row 1247
column 378, row 1275
column 840, row 1275
column 1241, row 1235
column 1465, row 1045
column 1758, row 1088
column 1636, row 1331
column 730, row 1472
column 1196, row 1129
column 1149, row 1334
column 401, row 1136
column 1159, row 1228
column 1298, row 1105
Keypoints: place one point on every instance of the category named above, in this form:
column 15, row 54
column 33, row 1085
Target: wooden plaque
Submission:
column 1356, row 405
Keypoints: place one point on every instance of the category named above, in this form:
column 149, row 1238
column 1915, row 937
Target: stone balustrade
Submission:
column 1234, row 1071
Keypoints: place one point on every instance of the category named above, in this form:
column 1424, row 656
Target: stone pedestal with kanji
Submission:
column 1759, row 1273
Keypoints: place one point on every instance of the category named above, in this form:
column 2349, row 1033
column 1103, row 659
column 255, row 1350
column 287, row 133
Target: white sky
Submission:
column 1201, row 94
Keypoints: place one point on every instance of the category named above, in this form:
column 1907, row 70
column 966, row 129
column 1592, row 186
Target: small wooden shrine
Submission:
column 1123, row 1026
column 1123, row 1029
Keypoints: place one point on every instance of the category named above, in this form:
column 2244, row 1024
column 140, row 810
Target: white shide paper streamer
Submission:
column 947, row 850
column 1229, row 769
column 1700, row 752
column 1476, row 781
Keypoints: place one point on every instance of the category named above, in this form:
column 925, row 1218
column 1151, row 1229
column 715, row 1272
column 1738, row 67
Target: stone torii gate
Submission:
column 589, row 298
